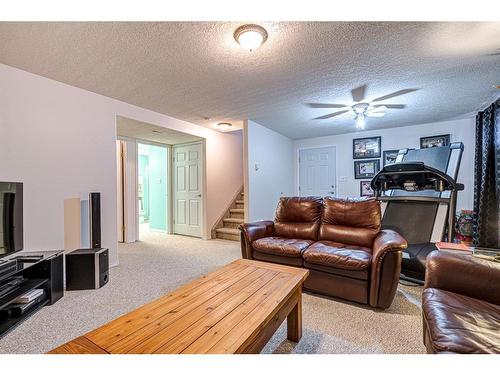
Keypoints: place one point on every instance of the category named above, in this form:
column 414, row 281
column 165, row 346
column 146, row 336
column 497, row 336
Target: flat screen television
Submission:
column 11, row 217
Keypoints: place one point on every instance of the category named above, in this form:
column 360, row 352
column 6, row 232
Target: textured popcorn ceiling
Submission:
column 195, row 71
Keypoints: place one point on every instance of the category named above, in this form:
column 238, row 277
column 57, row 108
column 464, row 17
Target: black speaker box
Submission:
column 87, row 269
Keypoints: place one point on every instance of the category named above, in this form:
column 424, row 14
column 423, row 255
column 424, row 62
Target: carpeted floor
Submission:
column 161, row 263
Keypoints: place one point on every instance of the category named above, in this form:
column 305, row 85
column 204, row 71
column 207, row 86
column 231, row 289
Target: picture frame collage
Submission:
column 366, row 153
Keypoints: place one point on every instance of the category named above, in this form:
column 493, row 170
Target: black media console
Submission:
column 26, row 271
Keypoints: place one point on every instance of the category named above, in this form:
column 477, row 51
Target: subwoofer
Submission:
column 87, row 269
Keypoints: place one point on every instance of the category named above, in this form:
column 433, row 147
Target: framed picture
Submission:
column 365, row 189
column 366, row 168
column 389, row 157
column 366, row 147
column 435, row 141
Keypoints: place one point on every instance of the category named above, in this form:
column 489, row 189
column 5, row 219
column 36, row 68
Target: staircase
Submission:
column 228, row 226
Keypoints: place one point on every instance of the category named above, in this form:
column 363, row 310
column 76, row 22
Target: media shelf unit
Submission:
column 40, row 270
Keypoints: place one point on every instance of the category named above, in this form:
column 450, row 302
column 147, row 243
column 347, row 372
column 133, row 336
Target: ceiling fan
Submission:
column 361, row 109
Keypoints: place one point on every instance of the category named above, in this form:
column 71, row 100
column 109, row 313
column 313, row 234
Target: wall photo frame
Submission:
column 389, row 157
column 369, row 147
column 365, row 189
column 435, row 141
column 366, row 168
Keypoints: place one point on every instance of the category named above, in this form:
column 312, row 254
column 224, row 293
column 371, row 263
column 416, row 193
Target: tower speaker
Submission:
column 95, row 220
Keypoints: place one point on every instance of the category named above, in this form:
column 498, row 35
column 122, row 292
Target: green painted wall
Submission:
column 158, row 188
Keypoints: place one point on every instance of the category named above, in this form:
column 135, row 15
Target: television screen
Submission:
column 11, row 217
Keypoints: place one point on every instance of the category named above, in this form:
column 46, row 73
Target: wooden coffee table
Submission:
column 235, row 309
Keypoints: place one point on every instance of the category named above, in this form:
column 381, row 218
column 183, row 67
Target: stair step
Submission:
column 228, row 231
column 230, row 234
column 238, row 220
column 240, row 202
column 237, row 210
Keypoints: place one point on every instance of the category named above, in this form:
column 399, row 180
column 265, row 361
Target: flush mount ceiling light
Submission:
column 250, row 37
column 224, row 126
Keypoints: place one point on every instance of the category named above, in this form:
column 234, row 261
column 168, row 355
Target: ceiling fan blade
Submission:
column 358, row 94
column 375, row 114
column 331, row 115
column 377, row 109
column 326, row 105
column 394, row 94
column 391, row 106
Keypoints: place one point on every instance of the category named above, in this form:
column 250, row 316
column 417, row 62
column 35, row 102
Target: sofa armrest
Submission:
column 386, row 267
column 463, row 274
column 251, row 232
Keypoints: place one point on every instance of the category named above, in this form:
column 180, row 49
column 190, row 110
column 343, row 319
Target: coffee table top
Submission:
column 218, row 313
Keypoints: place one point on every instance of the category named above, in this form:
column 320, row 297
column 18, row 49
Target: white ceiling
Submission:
column 195, row 70
column 126, row 127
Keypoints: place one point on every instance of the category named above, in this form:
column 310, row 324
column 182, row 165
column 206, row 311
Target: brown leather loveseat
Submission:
column 338, row 240
column 461, row 304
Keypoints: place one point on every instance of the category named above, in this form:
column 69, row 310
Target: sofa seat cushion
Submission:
column 460, row 324
column 338, row 255
column 285, row 247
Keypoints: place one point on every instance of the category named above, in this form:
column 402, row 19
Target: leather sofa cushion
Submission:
column 298, row 217
column 460, row 324
column 338, row 255
column 299, row 209
column 350, row 221
column 306, row 231
column 286, row 247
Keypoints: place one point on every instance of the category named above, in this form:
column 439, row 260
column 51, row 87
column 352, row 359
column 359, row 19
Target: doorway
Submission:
column 152, row 188
column 317, row 172
column 158, row 192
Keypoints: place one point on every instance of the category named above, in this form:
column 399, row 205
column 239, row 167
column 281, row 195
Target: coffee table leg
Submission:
column 294, row 319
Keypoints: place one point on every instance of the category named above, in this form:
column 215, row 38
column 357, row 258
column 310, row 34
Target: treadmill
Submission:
column 418, row 196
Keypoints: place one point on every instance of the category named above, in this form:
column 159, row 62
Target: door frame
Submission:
column 297, row 166
column 204, row 234
column 131, row 201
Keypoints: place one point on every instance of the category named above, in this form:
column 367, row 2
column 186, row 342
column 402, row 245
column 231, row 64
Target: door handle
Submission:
column 199, row 195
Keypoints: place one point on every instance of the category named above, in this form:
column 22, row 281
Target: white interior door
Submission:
column 317, row 172
column 187, row 189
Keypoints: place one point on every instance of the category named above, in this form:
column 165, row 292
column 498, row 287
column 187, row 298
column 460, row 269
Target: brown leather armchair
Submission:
column 338, row 240
column 461, row 304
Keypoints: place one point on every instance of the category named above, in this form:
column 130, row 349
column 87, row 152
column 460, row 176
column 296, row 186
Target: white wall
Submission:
column 272, row 154
column 397, row 138
column 59, row 141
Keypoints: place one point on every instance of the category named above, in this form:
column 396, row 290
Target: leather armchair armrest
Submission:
column 251, row 232
column 463, row 274
column 386, row 267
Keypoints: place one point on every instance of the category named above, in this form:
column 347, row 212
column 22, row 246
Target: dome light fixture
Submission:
column 250, row 36
column 224, row 126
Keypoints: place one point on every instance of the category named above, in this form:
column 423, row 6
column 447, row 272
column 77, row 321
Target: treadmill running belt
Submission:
column 413, row 220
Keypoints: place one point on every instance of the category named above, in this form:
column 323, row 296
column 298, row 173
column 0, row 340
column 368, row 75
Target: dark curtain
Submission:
column 487, row 178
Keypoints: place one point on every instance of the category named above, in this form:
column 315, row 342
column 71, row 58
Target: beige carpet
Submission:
column 161, row 263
